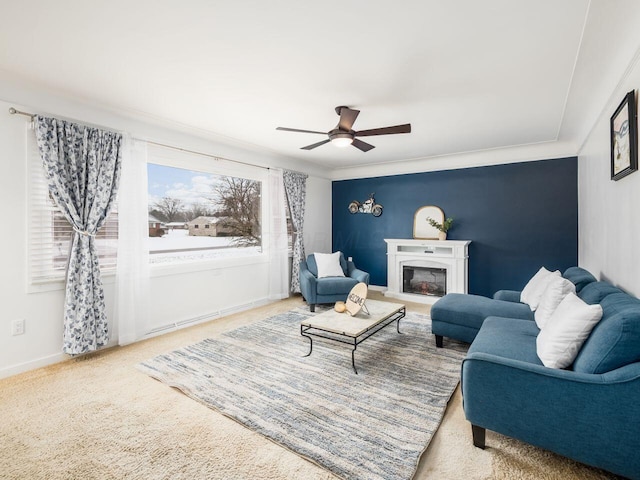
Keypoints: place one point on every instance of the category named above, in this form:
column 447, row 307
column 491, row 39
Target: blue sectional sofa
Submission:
column 589, row 412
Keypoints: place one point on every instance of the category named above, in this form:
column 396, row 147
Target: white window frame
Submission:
column 171, row 157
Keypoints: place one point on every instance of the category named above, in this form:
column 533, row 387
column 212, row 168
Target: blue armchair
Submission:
column 328, row 289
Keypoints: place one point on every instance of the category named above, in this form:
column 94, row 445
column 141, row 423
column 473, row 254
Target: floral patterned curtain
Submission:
column 82, row 167
column 295, row 185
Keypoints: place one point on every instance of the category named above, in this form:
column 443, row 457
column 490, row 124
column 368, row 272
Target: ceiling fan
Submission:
column 342, row 135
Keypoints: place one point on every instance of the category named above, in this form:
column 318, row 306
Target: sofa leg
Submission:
column 478, row 436
column 439, row 341
column 312, row 307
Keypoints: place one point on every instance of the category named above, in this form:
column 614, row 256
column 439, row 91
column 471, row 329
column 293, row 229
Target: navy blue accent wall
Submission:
column 518, row 216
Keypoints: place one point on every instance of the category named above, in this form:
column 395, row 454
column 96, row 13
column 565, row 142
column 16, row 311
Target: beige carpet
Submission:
column 100, row 418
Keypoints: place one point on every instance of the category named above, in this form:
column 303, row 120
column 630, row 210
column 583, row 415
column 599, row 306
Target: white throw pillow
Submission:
column 534, row 289
column 556, row 290
column 560, row 341
column 328, row 264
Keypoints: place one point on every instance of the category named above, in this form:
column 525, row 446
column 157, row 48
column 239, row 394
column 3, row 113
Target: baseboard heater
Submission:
column 206, row 317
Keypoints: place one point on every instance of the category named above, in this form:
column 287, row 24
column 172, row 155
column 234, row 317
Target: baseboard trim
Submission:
column 33, row 364
column 378, row 288
column 174, row 326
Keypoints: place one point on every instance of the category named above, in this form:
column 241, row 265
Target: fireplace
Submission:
column 424, row 280
column 424, row 270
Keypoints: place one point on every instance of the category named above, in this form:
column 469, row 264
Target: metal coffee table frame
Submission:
column 311, row 331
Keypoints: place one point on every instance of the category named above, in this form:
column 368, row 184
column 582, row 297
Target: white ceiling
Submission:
column 468, row 75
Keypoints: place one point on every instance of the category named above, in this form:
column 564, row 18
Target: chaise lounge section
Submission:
column 460, row 316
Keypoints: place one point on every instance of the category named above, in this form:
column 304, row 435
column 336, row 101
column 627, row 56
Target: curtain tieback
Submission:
column 84, row 232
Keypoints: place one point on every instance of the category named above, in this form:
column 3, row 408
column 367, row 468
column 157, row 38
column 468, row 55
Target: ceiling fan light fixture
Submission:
column 342, row 140
column 344, row 135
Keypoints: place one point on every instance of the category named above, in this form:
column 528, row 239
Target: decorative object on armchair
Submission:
column 318, row 287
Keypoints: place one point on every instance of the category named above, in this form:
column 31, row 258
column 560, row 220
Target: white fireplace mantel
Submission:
column 449, row 254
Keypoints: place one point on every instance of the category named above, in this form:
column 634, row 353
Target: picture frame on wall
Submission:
column 422, row 229
column 624, row 138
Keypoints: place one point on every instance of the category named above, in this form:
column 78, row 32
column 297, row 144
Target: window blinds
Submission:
column 50, row 234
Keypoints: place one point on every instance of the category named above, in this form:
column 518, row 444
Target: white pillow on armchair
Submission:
column 328, row 264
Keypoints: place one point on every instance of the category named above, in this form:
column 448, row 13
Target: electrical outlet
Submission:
column 17, row 326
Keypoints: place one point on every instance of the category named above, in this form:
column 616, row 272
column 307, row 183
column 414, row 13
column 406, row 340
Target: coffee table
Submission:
column 343, row 328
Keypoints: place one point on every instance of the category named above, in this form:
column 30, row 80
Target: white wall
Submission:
column 175, row 297
column 317, row 216
column 609, row 211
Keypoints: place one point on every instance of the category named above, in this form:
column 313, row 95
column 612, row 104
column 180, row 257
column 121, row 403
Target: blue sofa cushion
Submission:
column 615, row 340
column 507, row 338
column 313, row 266
column 579, row 277
column 335, row 285
column 595, row 292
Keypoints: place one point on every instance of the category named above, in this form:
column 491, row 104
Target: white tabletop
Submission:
column 345, row 324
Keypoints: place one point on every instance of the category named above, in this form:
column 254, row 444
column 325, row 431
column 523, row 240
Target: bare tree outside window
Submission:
column 169, row 209
column 199, row 210
column 238, row 200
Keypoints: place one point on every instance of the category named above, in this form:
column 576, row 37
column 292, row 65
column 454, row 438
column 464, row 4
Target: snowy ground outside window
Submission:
column 177, row 246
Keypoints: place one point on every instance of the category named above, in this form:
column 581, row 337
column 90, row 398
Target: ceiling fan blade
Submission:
column 347, row 117
column 298, row 130
column 365, row 147
column 406, row 128
column 311, row 147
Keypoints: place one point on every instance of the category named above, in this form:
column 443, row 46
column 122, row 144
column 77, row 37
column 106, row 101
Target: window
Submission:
column 226, row 205
column 203, row 215
column 50, row 234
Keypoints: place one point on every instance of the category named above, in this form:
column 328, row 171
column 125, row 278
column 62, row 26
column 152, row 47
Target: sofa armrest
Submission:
column 507, row 295
column 581, row 416
column 359, row 275
column 308, row 282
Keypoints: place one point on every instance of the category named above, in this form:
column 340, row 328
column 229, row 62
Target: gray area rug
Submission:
column 374, row 425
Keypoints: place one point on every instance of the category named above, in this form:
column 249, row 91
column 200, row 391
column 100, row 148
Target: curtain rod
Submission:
column 14, row 111
column 215, row 157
